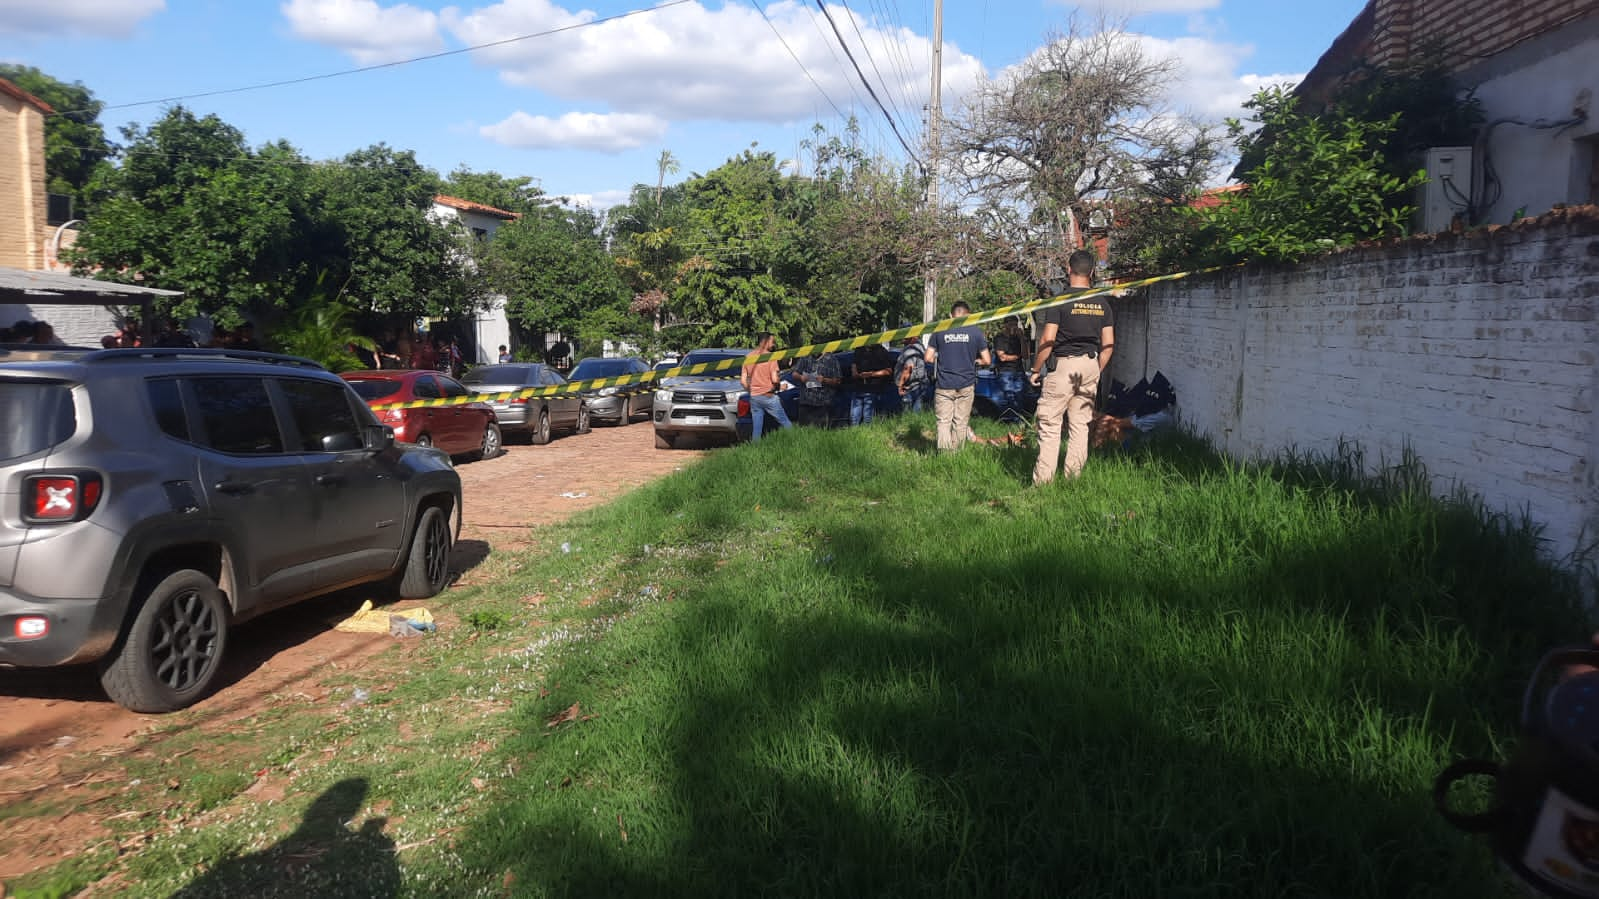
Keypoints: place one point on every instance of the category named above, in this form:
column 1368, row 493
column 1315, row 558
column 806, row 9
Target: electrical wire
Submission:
column 784, row 42
column 382, row 65
column 866, row 48
column 868, row 85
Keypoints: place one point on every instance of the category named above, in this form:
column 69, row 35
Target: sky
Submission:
column 584, row 97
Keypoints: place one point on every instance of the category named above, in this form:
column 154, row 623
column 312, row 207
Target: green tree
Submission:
column 519, row 194
column 192, row 208
column 382, row 242
column 75, row 145
column 861, row 241
column 320, row 330
column 1321, row 181
column 667, row 164
column 557, row 277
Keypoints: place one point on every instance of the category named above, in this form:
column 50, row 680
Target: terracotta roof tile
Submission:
column 12, row 90
column 469, row 206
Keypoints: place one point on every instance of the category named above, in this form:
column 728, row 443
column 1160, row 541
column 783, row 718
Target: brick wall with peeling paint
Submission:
column 1475, row 350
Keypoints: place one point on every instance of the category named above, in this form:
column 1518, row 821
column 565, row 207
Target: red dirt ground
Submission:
column 54, row 723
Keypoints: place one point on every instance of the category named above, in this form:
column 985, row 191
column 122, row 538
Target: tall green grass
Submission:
column 833, row 663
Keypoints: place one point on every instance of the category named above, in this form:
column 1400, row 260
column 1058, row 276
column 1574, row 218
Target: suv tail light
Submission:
column 392, row 416
column 744, row 407
column 50, row 498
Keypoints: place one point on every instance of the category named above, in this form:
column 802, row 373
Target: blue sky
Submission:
column 587, row 110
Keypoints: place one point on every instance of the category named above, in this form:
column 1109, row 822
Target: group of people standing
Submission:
column 1074, row 346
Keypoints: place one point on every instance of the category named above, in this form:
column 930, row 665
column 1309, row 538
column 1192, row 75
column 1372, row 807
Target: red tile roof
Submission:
column 469, row 206
column 12, row 90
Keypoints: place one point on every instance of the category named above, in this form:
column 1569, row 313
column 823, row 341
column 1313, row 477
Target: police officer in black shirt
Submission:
column 1073, row 348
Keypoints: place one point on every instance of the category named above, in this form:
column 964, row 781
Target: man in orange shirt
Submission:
column 763, row 381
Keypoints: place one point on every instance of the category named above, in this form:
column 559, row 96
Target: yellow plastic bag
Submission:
column 368, row 620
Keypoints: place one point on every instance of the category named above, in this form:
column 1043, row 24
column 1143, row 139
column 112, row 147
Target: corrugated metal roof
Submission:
column 20, row 286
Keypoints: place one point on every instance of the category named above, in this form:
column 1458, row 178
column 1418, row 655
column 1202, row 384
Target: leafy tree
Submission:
column 861, row 239
column 192, row 208
column 667, row 164
column 321, row 331
column 520, row 194
column 556, row 275
column 1430, row 107
column 383, row 243
column 733, row 283
column 1068, row 130
column 75, row 145
column 1321, row 181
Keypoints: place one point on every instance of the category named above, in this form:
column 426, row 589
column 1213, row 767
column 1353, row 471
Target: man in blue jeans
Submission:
column 763, row 381
column 873, row 370
column 958, row 352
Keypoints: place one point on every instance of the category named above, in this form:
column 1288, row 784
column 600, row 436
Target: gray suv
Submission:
column 150, row 499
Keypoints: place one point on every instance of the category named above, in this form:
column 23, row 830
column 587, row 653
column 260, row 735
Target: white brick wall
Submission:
column 75, row 325
column 1476, row 350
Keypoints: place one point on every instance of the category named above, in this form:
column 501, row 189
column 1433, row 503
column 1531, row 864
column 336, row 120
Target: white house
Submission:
column 1533, row 64
column 490, row 328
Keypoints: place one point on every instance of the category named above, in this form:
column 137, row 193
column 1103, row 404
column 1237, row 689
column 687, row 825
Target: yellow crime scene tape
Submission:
column 895, row 335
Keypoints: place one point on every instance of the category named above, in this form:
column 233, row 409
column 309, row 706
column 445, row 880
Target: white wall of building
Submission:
column 491, row 330
column 1543, row 80
column 74, row 325
column 1477, row 351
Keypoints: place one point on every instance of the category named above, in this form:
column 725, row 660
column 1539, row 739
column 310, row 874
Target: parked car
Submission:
column 615, row 405
column 459, row 430
column 699, row 404
column 991, row 402
column 151, row 499
column 536, row 416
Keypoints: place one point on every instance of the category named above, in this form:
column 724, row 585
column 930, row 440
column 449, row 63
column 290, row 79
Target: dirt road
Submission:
column 53, row 721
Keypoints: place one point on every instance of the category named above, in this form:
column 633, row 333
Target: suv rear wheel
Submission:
column 173, row 648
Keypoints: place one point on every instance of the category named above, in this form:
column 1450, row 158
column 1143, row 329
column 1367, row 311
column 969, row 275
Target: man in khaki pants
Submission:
column 1078, row 337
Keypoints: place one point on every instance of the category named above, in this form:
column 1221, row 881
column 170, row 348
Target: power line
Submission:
column 769, row 24
column 382, row 65
column 868, row 85
column 865, row 48
column 899, row 54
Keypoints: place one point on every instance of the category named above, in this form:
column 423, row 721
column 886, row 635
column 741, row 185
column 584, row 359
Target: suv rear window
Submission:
column 36, row 414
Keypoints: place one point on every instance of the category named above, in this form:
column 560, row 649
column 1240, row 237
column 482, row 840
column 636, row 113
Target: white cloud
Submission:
column 690, row 62
column 601, row 200
column 53, row 18
column 368, row 32
column 1209, row 83
column 577, row 130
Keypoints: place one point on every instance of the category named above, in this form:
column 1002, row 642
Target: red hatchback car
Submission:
column 467, row 429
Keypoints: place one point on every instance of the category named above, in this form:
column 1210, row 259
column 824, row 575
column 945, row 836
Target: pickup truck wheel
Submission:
column 663, row 441
column 541, row 434
column 173, row 649
column 427, row 566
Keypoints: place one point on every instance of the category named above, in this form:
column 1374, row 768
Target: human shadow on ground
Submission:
column 323, row 857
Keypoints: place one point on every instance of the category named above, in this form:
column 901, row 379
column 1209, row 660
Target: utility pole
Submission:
column 934, row 110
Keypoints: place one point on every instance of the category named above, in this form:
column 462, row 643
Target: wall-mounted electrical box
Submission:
column 1447, row 192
